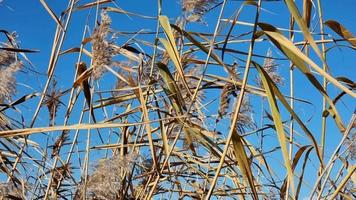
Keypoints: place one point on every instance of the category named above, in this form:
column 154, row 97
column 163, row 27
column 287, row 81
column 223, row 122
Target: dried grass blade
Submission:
column 301, row 23
column 19, row 101
column 75, row 50
column 296, row 159
column 171, row 87
column 307, row 7
column 201, row 46
column 293, row 53
column 230, row 31
column 306, row 158
column 148, row 126
column 92, row 4
column 52, row 14
column 243, row 161
column 171, row 48
column 163, row 130
column 172, row 91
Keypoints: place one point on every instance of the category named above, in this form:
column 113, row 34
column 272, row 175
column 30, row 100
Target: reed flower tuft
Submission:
column 103, row 50
column 245, row 119
column 10, row 191
column 270, row 66
column 52, row 101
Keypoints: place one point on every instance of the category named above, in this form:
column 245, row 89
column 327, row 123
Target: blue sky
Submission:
column 36, row 30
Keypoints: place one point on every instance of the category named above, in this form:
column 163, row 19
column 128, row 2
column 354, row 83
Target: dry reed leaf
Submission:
column 307, row 8
column 173, row 92
column 344, row 181
column 76, row 49
column 306, row 158
column 17, row 50
column 341, row 31
column 296, row 159
column 84, row 84
column 202, row 47
column 93, row 4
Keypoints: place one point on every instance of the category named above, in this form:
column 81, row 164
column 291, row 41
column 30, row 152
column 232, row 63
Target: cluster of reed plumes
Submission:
column 191, row 110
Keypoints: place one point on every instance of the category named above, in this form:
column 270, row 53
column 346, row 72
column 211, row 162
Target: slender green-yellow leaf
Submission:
column 278, row 125
column 279, row 95
column 175, row 96
column 172, row 87
column 171, row 47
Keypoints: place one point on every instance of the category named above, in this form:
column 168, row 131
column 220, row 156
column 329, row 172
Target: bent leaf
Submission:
column 278, row 94
column 342, row 31
column 299, row 60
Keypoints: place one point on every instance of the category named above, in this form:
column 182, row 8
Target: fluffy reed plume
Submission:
column 102, row 46
column 245, row 119
column 195, row 9
column 60, row 173
column 270, row 66
column 9, row 65
column 227, row 91
column 10, row 191
column 105, row 182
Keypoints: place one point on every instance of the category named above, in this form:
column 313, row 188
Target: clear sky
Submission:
column 36, row 31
